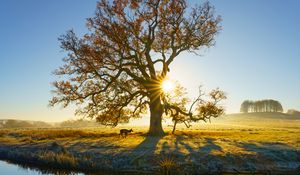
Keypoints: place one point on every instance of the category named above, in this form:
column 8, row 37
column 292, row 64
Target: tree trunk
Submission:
column 174, row 127
column 156, row 111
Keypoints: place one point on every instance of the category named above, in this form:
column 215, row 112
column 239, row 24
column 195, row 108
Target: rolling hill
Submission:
column 12, row 123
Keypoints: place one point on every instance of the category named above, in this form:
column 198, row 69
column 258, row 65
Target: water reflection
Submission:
column 9, row 168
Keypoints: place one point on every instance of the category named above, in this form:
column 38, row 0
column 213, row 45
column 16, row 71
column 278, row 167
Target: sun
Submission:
column 167, row 86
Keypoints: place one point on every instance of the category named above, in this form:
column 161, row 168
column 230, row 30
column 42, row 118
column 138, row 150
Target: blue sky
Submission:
column 256, row 56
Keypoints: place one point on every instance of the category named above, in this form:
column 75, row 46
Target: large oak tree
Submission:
column 114, row 72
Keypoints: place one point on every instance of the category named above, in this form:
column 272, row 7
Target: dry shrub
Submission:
column 167, row 164
column 64, row 160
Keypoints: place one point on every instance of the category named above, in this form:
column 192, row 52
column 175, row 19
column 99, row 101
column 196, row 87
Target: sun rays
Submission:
column 167, row 86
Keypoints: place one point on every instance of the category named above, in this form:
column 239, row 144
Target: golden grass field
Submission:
column 224, row 146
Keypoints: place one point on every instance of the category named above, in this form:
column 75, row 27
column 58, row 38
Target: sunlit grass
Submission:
column 236, row 142
column 221, row 133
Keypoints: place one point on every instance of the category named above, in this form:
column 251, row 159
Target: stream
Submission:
column 7, row 168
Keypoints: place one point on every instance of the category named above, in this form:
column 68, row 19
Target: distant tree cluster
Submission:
column 293, row 112
column 261, row 106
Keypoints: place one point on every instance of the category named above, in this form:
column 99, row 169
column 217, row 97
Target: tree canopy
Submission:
column 114, row 72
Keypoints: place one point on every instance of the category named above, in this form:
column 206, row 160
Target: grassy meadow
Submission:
column 235, row 144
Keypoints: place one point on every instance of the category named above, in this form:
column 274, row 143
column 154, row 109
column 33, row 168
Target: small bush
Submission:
column 168, row 165
column 61, row 160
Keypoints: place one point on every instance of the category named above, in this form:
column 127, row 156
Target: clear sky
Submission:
column 257, row 54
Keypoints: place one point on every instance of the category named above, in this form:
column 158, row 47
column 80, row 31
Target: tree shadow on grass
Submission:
column 257, row 157
column 144, row 153
column 148, row 145
column 273, row 151
column 270, row 157
column 181, row 142
column 210, row 146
